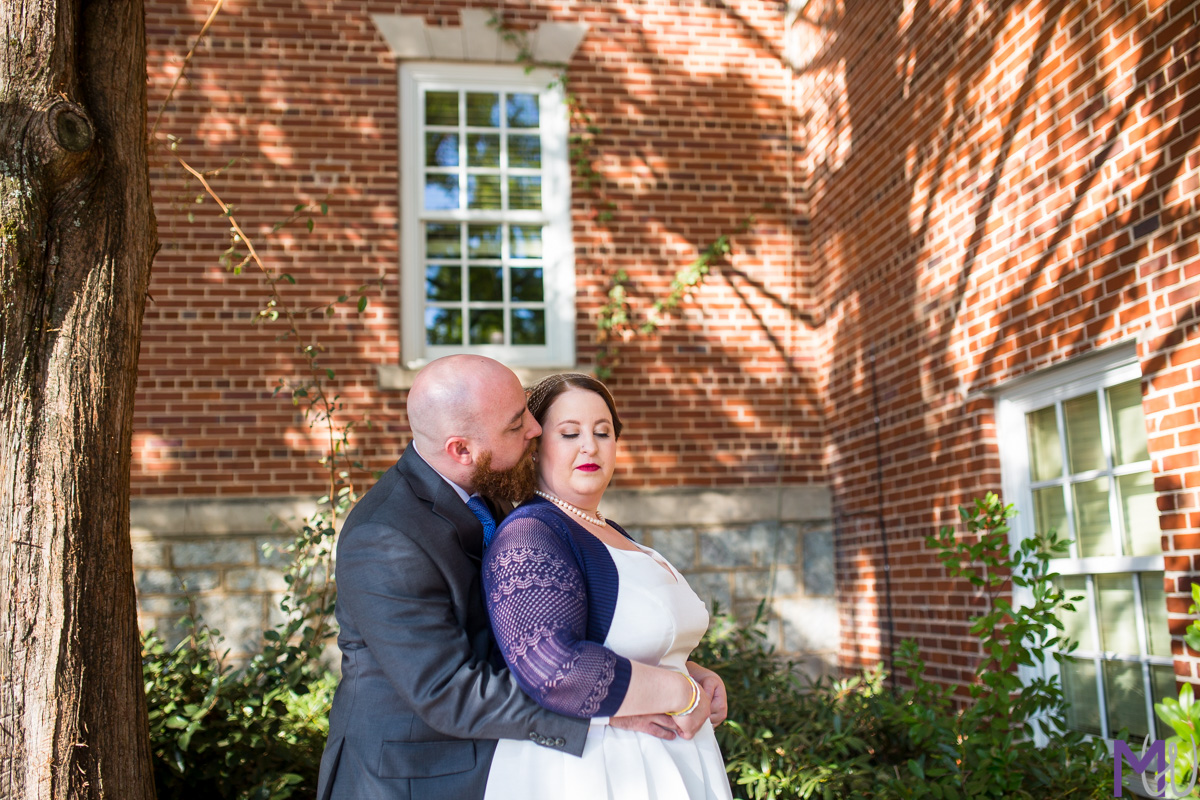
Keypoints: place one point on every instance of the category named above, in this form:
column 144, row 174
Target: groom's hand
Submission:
column 659, row 725
column 711, row 683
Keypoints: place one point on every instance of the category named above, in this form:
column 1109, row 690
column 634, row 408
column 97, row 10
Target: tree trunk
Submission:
column 77, row 236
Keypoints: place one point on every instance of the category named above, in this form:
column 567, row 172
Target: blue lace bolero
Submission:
column 551, row 589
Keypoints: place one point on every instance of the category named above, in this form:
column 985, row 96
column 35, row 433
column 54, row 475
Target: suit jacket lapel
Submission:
column 444, row 501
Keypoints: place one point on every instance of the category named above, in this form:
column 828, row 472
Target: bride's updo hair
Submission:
column 542, row 396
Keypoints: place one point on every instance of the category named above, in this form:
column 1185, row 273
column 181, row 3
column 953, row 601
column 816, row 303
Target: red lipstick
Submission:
column 588, row 467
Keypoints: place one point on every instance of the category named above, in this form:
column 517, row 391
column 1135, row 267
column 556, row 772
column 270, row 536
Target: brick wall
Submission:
column 947, row 197
column 691, row 104
column 296, row 102
column 995, row 188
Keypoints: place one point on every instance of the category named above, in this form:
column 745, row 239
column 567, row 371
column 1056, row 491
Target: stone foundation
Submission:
column 737, row 547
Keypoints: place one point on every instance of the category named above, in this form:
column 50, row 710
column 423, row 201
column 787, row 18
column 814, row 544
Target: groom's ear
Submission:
column 459, row 451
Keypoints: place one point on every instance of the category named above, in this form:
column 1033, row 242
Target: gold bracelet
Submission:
column 694, row 702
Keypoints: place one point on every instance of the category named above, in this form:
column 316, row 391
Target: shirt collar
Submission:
column 461, row 492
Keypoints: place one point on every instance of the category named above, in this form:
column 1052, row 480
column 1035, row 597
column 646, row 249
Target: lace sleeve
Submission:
column 537, row 601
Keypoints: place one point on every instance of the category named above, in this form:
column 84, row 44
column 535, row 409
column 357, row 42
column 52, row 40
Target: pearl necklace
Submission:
column 576, row 510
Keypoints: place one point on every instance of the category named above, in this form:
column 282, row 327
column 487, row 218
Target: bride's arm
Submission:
column 657, row 690
column 537, row 601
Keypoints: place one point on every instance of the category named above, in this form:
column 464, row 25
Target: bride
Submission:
column 594, row 625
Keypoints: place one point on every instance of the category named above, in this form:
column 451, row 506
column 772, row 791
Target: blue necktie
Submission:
column 480, row 510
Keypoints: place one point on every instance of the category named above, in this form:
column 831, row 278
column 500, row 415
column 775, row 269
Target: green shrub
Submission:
column 221, row 733
column 1183, row 715
column 786, row 738
column 257, row 732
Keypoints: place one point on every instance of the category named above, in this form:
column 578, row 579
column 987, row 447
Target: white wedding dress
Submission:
column 658, row 620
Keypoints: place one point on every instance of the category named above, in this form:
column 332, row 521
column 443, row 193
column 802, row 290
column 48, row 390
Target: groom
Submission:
column 420, row 705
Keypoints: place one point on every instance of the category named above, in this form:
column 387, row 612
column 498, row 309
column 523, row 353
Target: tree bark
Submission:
column 77, row 236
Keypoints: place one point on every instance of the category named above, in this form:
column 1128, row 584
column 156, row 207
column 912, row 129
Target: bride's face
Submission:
column 578, row 449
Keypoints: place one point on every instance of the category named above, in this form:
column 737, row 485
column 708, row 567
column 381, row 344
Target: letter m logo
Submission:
column 1155, row 754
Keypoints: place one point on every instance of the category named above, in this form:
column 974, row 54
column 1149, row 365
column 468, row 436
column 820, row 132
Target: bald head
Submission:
column 466, row 411
column 451, row 395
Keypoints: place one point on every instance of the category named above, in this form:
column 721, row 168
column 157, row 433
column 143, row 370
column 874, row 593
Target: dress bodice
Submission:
column 658, row 619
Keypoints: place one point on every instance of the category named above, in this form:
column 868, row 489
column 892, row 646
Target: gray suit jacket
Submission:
column 420, row 704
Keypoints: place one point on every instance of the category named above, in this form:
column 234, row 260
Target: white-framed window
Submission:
column 487, row 260
column 1074, row 459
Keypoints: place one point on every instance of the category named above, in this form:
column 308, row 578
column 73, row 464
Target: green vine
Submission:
column 309, row 601
column 615, row 323
column 581, row 140
column 1183, row 717
column 256, row 731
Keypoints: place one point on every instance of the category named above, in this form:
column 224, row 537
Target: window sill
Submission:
column 397, row 378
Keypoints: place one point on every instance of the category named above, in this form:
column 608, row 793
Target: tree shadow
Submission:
column 290, row 126
column 927, row 219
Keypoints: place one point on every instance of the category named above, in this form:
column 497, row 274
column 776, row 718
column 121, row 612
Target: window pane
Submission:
column 1077, row 624
column 483, row 109
column 1051, row 511
column 1093, row 525
column 525, row 241
column 524, row 151
column 522, row 110
column 1125, row 694
column 1128, row 423
column 1084, row 446
column 443, row 326
column 1139, row 507
column 1154, row 604
column 441, row 108
column 441, row 149
column 527, row 285
column 1162, row 683
column 528, row 326
column 443, row 283
column 483, row 191
column 442, row 240
column 483, row 241
column 483, row 149
column 441, row 192
column 1045, row 450
column 1118, row 625
column 481, row 153
column 1079, row 690
column 525, row 191
column 487, row 285
column 487, row 326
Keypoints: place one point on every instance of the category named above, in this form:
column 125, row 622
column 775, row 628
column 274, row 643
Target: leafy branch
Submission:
column 993, row 735
column 616, row 322
column 212, row 15
column 257, row 731
column 581, row 141
column 309, row 578
column 1182, row 715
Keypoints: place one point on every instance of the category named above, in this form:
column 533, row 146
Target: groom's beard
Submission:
column 515, row 484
